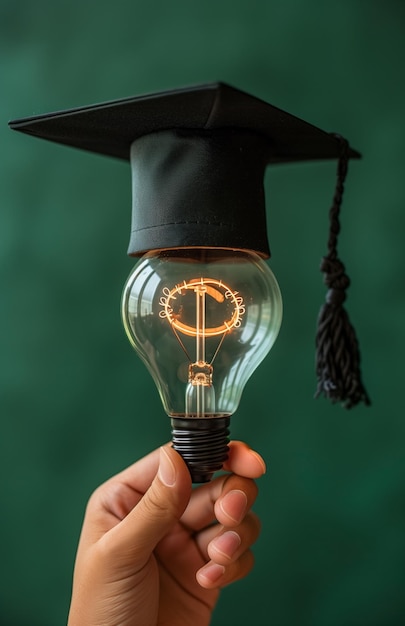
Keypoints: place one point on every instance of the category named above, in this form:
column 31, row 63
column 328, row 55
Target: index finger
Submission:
column 245, row 464
column 244, row 461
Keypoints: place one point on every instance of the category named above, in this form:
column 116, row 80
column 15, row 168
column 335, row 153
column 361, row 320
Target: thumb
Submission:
column 137, row 535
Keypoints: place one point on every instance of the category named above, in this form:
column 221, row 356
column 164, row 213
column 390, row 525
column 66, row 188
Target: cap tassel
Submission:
column 337, row 350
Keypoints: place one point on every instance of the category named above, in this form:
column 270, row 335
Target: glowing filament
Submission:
column 202, row 287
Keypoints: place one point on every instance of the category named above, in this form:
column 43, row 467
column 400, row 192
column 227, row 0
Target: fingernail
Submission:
column 227, row 543
column 211, row 572
column 259, row 459
column 234, row 505
column 166, row 471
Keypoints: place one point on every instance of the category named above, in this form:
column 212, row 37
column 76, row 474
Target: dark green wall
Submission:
column 332, row 550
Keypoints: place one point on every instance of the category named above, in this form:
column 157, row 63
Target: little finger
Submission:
column 213, row 575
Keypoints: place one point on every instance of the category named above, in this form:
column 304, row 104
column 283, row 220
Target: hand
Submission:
column 154, row 551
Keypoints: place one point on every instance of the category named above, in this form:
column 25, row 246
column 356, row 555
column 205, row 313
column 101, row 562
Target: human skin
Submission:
column 156, row 552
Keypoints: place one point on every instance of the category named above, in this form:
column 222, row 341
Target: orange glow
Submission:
column 215, row 289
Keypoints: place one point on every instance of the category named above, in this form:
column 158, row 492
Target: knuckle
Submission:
column 240, row 568
column 155, row 505
column 255, row 523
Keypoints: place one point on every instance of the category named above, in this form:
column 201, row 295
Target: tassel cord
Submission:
column 338, row 354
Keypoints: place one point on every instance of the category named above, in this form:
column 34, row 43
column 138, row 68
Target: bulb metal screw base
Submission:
column 203, row 444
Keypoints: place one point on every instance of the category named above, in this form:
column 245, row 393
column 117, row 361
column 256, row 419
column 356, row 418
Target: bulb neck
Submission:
column 203, row 444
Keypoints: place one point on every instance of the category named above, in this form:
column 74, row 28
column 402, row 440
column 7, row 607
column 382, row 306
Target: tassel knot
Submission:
column 335, row 297
column 335, row 276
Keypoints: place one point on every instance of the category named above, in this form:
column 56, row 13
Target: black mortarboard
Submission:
column 198, row 157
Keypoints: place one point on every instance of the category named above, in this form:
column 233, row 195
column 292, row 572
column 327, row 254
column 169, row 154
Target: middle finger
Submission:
column 205, row 506
column 223, row 545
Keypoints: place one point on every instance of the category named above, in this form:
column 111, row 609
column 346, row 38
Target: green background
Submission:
column 332, row 504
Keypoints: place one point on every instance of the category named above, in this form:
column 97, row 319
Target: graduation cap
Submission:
column 198, row 157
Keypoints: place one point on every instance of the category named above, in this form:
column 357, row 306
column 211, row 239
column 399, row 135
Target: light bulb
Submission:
column 202, row 310
column 201, row 319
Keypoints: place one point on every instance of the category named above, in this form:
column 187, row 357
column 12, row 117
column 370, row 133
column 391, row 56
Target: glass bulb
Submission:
column 201, row 319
